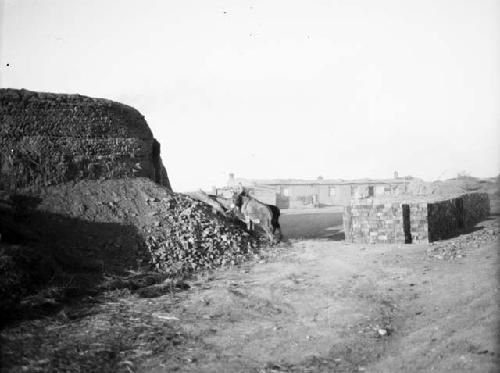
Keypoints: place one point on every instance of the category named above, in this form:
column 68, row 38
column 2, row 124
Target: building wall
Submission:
column 299, row 196
column 318, row 193
column 267, row 196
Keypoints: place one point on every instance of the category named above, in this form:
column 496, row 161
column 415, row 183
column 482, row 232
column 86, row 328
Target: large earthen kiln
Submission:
column 413, row 219
column 48, row 139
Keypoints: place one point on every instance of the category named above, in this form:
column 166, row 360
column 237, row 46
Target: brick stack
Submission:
column 48, row 139
column 476, row 208
column 418, row 222
column 443, row 219
column 191, row 237
column 369, row 222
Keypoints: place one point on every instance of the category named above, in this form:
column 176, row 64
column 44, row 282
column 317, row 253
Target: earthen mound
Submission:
column 48, row 139
column 87, row 231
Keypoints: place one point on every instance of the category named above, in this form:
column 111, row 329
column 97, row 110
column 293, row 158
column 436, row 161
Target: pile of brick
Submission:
column 458, row 247
column 191, row 237
column 120, row 222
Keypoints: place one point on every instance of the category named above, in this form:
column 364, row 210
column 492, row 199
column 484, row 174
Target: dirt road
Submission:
column 311, row 306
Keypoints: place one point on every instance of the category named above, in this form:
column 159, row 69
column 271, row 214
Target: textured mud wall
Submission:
column 48, row 139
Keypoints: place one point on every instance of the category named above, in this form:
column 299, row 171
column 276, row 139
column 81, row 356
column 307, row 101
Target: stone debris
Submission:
column 191, row 237
column 74, row 231
column 382, row 332
column 458, row 247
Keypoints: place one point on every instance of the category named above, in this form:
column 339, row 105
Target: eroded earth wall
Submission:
column 48, row 139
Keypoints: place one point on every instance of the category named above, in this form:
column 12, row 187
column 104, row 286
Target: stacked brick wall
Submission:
column 444, row 219
column 369, row 221
column 451, row 217
column 48, row 139
column 476, row 208
column 366, row 222
column 418, row 222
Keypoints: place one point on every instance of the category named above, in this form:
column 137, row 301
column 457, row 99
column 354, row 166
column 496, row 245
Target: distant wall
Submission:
column 48, row 139
column 265, row 196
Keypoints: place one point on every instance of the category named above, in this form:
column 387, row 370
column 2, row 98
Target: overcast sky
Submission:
column 289, row 89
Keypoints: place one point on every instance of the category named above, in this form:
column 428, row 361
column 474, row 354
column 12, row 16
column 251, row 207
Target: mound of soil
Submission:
column 112, row 227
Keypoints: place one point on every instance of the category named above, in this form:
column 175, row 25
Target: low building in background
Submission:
column 293, row 193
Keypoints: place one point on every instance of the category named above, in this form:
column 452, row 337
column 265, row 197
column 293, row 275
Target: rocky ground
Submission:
column 306, row 306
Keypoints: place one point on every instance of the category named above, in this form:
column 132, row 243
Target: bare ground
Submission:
column 309, row 306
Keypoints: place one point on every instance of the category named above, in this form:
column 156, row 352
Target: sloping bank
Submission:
column 71, row 216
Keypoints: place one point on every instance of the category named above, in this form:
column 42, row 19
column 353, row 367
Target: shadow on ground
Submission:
column 65, row 256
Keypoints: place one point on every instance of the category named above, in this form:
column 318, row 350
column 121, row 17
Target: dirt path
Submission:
column 317, row 306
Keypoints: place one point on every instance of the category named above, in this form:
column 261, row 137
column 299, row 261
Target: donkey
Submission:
column 256, row 212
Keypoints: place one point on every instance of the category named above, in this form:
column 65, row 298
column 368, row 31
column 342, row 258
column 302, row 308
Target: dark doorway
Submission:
column 406, row 223
column 370, row 191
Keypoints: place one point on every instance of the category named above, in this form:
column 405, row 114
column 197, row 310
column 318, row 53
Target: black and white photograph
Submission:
column 249, row 186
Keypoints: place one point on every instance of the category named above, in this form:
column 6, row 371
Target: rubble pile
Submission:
column 191, row 237
column 116, row 224
column 458, row 247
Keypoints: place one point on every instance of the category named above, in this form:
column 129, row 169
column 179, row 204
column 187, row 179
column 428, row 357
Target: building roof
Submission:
column 250, row 182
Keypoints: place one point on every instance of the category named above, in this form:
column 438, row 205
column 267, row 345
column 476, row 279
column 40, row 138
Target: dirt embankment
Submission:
column 83, row 191
column 89, row 231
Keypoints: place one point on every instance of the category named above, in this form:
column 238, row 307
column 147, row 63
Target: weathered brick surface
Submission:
column 418, row 222
column 372, row 221
column 449, row 218
column 444, row 219
column 48, row 139
column 369, row 222
column 476, row 208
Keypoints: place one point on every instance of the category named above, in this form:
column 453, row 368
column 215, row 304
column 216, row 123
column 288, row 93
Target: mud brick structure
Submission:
column 47, row 139
column 413, row 220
